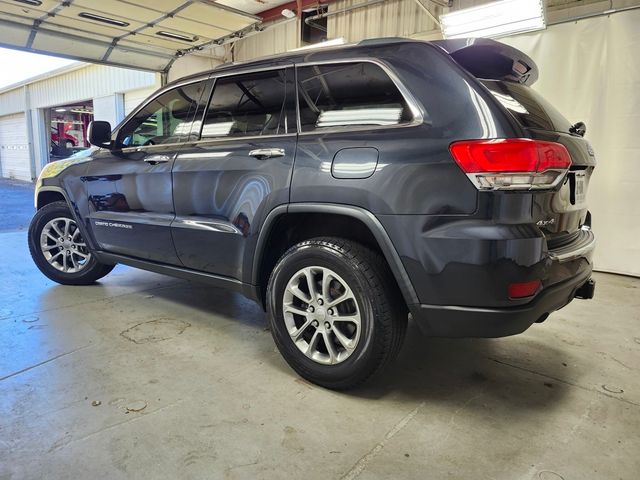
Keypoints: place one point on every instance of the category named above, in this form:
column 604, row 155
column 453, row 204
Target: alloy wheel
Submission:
column 322, row 315
column 63, row 246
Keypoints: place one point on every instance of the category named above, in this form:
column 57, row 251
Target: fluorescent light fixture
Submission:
column 103, row 19
column 327, row 43
column 61, row 110
column 359, row 116
column 288, row 13
column 494, row 19
column 33, row 3
column 176, row 36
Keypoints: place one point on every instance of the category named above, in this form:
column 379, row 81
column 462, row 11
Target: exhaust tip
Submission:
column 543, row 317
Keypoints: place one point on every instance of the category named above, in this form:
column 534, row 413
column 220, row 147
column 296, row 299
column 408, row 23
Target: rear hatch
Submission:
column 508, row 74
column 559, row 214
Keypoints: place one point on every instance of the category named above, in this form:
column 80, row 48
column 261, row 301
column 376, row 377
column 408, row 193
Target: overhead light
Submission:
column 288, row 13
column 494, row 19
column 327, row 43
column 176, row 36
column 100, row 18
column 61, row 110
column 33, row 3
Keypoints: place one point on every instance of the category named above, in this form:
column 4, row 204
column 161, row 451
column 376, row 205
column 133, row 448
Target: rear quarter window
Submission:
column 528, row 106
column 349, row 94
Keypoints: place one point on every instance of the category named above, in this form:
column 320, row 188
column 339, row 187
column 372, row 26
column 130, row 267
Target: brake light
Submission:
column 512, row 163
column 524, row 289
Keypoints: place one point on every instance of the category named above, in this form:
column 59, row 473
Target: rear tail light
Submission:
column 512, row 163
column 524, row 289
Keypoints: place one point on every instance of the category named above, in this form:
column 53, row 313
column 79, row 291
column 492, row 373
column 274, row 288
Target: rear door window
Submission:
column 254, row 104
column 347, row 95
column 527, row 106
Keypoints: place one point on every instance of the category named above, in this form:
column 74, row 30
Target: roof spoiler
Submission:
column 488, row 59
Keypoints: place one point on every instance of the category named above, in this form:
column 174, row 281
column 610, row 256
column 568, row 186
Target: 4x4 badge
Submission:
column 544, row 223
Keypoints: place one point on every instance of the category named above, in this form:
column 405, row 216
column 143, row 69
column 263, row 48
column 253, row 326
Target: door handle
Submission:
column 263, row 153
column 156, row 159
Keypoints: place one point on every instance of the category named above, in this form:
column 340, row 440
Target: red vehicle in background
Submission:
column 65, row 140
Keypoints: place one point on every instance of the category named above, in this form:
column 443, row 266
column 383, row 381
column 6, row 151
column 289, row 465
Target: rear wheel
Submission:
column 336, row 314
column 58, row 249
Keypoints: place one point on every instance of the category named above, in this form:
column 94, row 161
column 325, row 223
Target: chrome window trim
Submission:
column 248, row 70
column 248, row 138
column 414, row 106
column 150, row 148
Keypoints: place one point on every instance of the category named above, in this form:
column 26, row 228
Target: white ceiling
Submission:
column 138, row 33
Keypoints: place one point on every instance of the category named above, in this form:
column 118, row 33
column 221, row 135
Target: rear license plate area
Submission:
column 578, row 187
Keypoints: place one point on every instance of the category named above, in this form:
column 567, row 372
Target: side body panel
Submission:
column 130, row 206
column 222, row 196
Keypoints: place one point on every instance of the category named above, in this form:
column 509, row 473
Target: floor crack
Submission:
column 362, row 463
column 560, row 380
column 43, row 362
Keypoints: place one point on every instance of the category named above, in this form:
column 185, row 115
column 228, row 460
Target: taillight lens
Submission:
column 512, row 163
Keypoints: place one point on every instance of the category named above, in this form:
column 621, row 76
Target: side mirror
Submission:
column 100, row 134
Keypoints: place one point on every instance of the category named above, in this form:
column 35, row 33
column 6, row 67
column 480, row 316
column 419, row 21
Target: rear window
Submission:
column 528, row 106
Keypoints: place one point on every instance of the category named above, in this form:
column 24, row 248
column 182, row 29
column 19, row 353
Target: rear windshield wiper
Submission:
column 578, row 128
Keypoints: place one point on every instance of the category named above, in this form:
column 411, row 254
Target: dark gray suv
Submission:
column 344, row 189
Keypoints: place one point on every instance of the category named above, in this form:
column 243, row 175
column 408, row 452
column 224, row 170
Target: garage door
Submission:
column 14, row 147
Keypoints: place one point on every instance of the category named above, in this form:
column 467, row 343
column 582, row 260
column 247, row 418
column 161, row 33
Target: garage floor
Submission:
column 146, row 376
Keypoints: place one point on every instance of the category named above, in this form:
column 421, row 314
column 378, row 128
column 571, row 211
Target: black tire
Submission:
column 382, row 310
column 87, row 275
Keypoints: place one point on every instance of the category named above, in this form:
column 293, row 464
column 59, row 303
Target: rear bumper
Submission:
column 457, row 321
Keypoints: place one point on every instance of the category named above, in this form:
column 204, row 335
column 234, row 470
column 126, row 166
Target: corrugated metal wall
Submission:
column 12, row 101
column 394, row 18
column 84, row 83
column 135, row 97
column 273, row 40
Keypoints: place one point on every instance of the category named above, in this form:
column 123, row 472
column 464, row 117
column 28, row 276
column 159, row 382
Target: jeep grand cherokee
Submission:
column 343, row 189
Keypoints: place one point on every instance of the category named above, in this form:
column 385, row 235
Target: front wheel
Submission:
column 58, row 249
column 335, row 312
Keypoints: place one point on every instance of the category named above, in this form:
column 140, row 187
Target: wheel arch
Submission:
column 289, row 224
column 47, row 195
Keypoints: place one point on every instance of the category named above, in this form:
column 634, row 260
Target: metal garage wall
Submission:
column 590, row 70
column 86, row 83
column 389, row 19
column 135, row 97
column 394, row 18
column 14, row 147
column 12, row 101
column 278, row 39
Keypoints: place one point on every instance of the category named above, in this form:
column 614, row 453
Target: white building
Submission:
column 54, row 108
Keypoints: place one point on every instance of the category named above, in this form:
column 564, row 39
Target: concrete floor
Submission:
column 145, row 376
